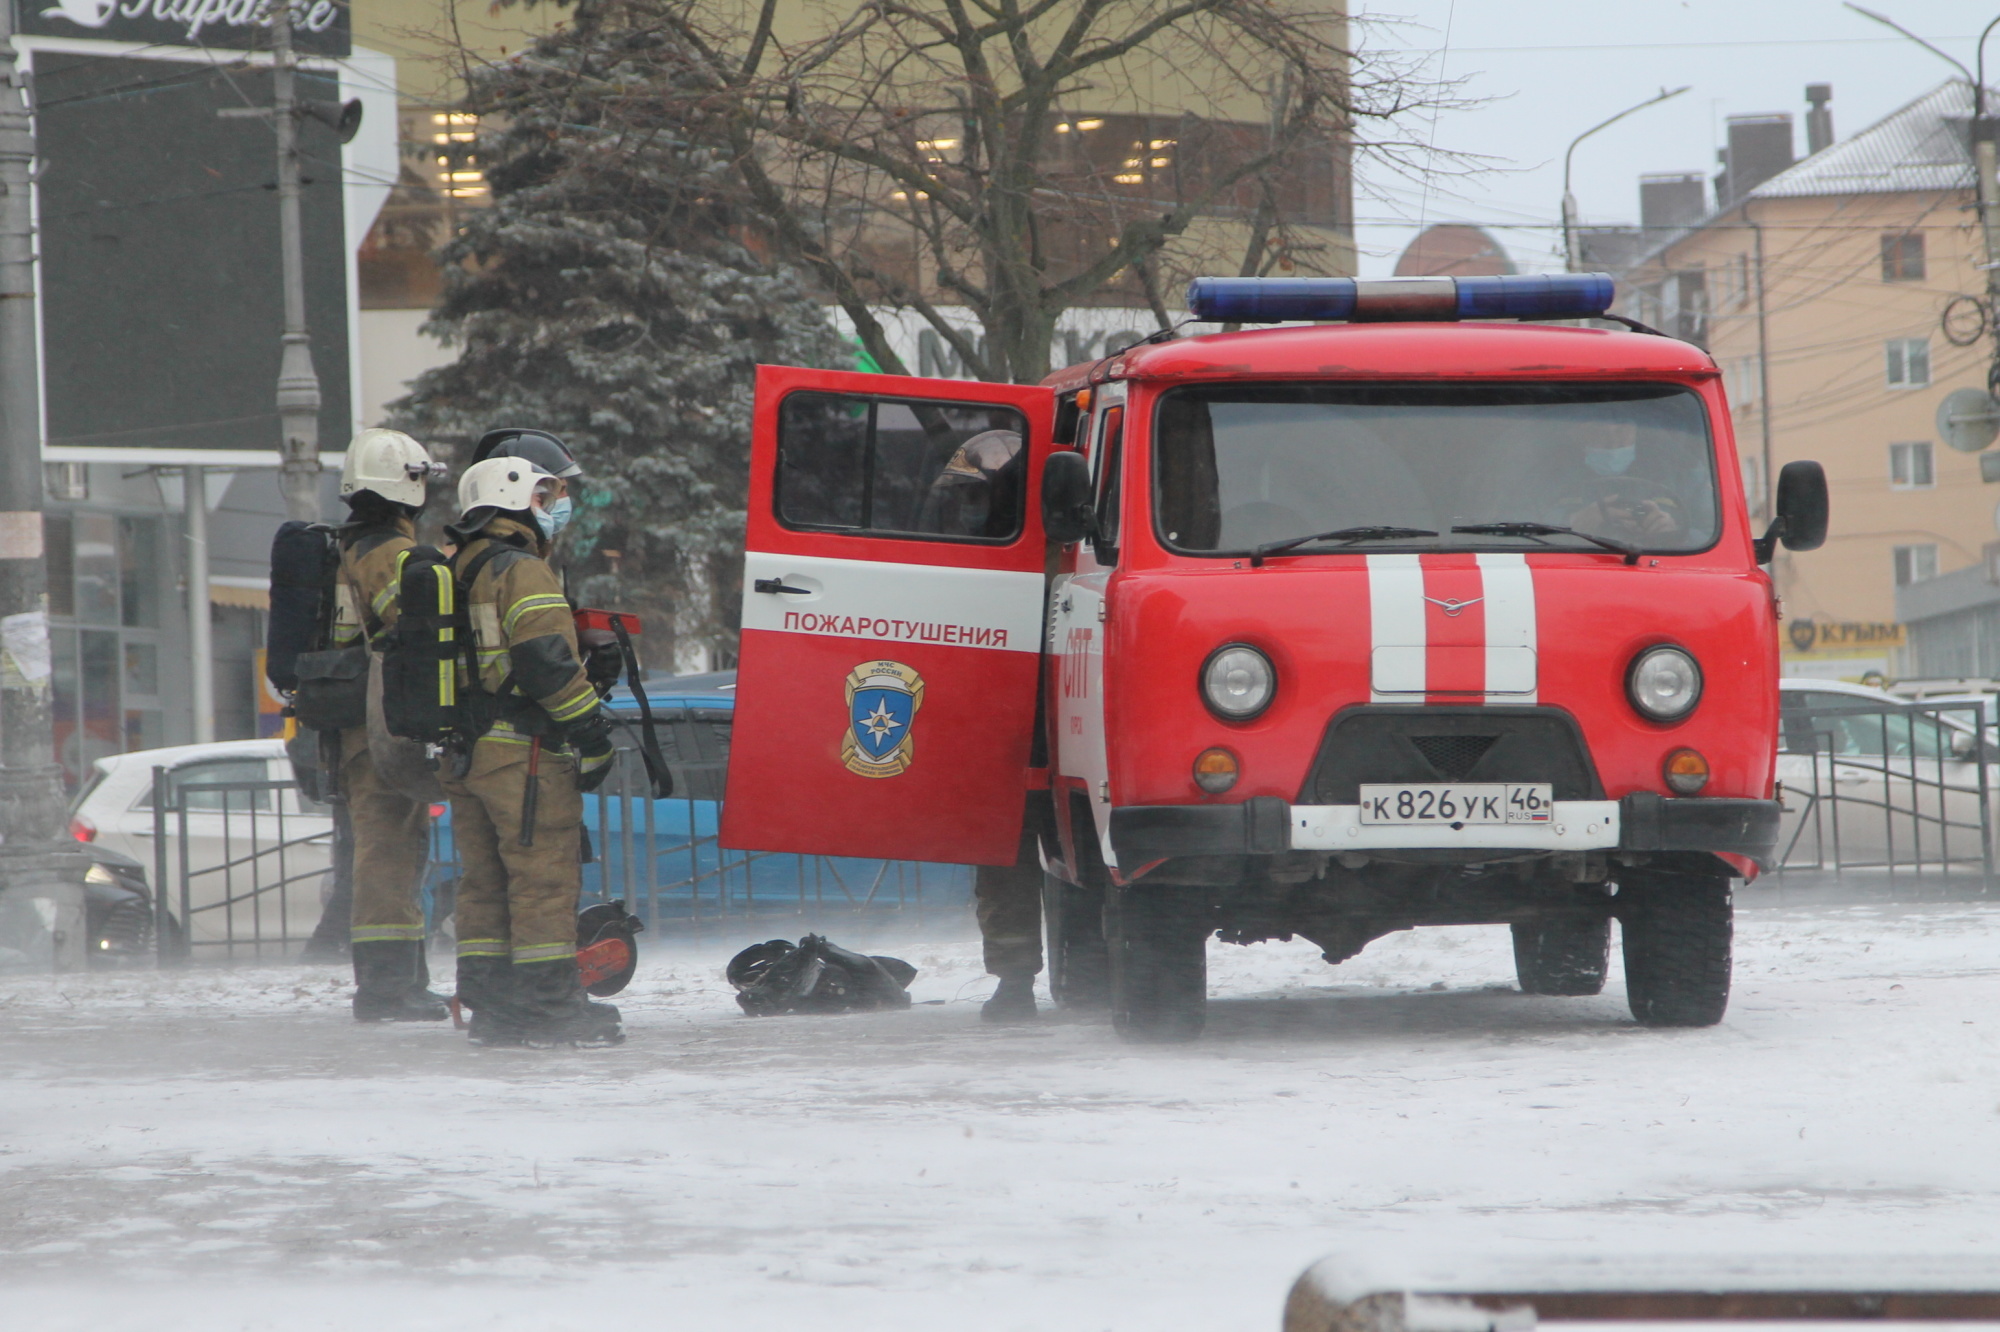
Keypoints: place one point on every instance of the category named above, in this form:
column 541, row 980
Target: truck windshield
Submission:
column 1241, row 466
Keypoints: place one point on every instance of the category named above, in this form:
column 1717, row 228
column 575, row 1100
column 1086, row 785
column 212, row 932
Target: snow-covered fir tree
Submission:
column 611, row 294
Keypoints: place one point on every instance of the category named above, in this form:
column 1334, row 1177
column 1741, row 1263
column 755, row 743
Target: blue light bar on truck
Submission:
column 1512, row 296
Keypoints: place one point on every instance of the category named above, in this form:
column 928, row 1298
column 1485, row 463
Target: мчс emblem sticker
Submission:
column 882, row 702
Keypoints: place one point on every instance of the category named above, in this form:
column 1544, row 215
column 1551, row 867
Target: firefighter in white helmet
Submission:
column 517, row 798
column 384, row 482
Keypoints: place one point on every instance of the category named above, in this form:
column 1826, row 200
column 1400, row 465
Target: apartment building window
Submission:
column 1914, row 564
column 1741, row 381
column 1651, row 309
column 1907, row 362
column 1910, row 466
column 1903, row 257
column 1732, row 282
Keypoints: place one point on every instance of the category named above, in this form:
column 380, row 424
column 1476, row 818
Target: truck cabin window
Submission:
column 941, row 470
column 1242, row 466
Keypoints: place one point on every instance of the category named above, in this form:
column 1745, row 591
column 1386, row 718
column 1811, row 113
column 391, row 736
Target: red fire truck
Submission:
column 1410, row 610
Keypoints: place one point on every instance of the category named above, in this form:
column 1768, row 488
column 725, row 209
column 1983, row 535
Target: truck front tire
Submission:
column 1563, row 956
column 1079, row 963
column 1678, row 926
column 1158, row 943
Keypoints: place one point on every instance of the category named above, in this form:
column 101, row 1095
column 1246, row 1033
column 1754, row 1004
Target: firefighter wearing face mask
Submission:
column 517, row 797
column 383, row 482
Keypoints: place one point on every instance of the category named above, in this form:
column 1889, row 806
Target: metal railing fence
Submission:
column 241, row 866
column 1896, row 788
column 227, row 863
column 663, row 858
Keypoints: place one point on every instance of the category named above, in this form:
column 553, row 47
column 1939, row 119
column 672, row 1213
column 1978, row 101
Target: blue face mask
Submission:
column 554, row 519
column 1610, row 462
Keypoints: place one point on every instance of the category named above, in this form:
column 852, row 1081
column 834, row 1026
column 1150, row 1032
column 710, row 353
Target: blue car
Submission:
column 661, row 856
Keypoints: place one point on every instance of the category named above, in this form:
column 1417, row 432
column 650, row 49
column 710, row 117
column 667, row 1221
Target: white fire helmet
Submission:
column 497, row 483
column 389, row 463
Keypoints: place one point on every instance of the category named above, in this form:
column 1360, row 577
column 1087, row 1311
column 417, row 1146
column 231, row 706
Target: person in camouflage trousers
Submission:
column 520, row 855
column 383, row 483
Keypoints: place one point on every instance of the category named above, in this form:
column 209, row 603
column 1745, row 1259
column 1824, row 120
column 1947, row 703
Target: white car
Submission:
column 251, row 864
column 1868, row 783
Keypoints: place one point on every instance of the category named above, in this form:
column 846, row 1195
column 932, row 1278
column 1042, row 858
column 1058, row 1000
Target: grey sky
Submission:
column 1550, row 69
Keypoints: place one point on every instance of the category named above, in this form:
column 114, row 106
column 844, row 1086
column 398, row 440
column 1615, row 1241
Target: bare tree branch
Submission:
column 1009, row 159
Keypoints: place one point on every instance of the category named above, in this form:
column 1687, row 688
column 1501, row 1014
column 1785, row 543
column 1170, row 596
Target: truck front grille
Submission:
column 1453, row 755
column 1427, row 744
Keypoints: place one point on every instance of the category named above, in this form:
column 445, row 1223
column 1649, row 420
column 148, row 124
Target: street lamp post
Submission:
column 298, row 383
column 1569, row 199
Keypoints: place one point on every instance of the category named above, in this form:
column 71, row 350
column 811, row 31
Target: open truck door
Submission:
column 893, row 593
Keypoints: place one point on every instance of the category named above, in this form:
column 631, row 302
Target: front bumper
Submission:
column 1265, row 825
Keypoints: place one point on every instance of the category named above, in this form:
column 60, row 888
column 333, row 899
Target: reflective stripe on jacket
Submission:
column 522, row 626
column 371, row 568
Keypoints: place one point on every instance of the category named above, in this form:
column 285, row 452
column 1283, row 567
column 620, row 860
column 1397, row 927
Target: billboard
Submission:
column 319, row 27
column 160, row 271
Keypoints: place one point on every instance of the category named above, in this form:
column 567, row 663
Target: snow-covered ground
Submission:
column 220, row 1149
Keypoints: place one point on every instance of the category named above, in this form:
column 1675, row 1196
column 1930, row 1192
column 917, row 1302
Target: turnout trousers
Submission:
column 392, row 847
column 516, row 902
column 1009, row 899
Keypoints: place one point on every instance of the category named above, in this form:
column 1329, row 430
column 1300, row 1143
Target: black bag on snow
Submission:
column 328, row 685
column 816, row 976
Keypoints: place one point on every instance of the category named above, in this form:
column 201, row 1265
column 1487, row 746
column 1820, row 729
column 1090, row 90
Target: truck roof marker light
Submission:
column 1433, row 299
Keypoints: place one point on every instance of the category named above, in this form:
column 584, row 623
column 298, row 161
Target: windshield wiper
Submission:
column 1341, row 534
column 1539, row 530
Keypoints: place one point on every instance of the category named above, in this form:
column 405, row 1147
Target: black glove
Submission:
column 591, row 739
column 603, row 659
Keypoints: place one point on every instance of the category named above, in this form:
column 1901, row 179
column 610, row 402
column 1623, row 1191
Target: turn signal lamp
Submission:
column 1361, row 300
column 1215, row 770
column 1686, row 772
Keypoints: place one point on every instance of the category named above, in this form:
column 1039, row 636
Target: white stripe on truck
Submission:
column 999, row 610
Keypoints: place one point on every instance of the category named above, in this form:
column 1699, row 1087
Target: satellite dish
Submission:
column 1968, row 419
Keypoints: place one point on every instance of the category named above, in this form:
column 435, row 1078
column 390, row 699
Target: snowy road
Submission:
column 224, row 1149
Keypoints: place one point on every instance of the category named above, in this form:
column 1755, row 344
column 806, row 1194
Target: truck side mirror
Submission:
column 1066, row 498
column 1801, row 511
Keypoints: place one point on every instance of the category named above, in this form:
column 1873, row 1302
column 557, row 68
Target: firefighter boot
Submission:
column 389, row 979
column 486, row 986
column 555, row 1010
column 1014, row 1001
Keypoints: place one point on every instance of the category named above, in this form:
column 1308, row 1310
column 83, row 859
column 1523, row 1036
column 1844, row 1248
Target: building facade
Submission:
column 1821, row 289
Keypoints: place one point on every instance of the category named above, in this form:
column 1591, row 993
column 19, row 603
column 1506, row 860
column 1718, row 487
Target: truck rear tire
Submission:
column 1158, row 944
column 1079, row 962
column 1562, row 956
column 1678, row 926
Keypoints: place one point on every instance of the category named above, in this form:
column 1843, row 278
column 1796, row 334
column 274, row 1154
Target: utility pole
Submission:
column 1985, row 176
column 1986, row 187
column 298, row 382
column 41, row 874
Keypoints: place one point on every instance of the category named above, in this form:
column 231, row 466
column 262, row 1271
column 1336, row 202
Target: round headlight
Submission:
column 1664, row 683
column 1238, row 682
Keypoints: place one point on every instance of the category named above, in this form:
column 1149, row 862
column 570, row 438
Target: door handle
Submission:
column 777, row 585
